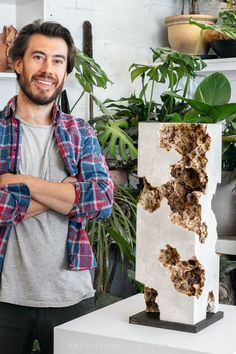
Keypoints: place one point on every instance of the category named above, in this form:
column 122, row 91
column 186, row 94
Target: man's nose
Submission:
column 47, row 66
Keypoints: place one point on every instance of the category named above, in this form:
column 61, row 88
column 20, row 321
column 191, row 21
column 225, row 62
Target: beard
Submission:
column 42, row 97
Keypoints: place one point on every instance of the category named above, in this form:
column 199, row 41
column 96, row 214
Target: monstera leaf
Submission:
column 111, row 134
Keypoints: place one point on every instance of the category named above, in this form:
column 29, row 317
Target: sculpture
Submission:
column 7, row 38
column 176, row 227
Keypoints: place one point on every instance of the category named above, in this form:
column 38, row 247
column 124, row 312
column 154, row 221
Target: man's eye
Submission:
column 58, row 61
column 38, row 57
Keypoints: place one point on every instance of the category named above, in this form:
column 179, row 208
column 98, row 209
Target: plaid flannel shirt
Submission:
column 82, row 156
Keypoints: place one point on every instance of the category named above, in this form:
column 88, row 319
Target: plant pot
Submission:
column 224, row 48
column 119, row 176
column 224, row 205
column 185, row 37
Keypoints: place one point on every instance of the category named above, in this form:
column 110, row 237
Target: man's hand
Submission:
column 35, row 208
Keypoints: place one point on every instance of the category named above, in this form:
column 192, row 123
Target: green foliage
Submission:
column 113, row 131
column 89, row 74
column 174, row 71
column 36, row 347
column 226, row 28
column 118, row 229
column 229, row 144
column 210, row 103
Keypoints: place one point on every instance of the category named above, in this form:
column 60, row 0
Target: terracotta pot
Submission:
column 119, row 176
column 185, row 37
column 7, row 38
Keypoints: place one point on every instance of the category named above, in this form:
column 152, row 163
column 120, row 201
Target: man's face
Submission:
column 42, row 70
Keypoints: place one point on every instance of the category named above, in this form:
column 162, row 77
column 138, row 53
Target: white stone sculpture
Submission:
column 176, row 227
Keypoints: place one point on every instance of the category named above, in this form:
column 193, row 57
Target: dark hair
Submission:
column 49, row 29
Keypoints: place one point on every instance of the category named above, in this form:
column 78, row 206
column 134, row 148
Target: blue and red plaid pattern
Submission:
column 82, row 156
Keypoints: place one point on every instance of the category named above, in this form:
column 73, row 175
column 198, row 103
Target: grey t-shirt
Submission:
column 34, row 271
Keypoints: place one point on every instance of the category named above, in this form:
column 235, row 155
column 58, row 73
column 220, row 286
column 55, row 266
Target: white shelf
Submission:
column 7, row 75
column 14, row 2
column 226, row 245
column 223, row 64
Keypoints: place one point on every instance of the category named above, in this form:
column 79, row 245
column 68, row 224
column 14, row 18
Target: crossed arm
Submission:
column 45, row 195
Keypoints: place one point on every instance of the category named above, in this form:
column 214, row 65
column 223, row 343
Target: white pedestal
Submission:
column 107, row 331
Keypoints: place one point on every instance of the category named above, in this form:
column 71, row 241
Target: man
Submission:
column 52, row 179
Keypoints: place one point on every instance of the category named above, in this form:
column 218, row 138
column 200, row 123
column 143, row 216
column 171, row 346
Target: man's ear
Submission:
column 17, row 65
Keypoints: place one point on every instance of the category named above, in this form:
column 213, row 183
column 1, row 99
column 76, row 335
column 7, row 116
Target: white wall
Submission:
column 123, row 32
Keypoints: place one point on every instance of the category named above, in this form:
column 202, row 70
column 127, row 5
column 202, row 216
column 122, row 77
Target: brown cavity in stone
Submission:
column 211, row 307
column 189, row 177
column 150, row 295
column 151, row 197
column 188, row 276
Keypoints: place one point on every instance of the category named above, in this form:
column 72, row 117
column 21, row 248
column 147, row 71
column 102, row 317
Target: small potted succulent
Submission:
column 184, row 37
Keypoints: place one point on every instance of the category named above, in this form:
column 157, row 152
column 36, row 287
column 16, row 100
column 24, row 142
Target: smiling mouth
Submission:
column 44, row 80
column 44, row 83
column 47, row 83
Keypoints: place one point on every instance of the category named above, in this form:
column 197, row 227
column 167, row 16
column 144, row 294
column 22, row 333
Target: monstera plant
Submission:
column 174, row 72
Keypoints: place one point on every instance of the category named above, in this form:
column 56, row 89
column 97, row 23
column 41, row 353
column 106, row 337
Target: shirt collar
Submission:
column 10, row 109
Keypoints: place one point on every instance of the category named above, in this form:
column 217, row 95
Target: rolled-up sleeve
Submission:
column 94, row 186
column 14, row 202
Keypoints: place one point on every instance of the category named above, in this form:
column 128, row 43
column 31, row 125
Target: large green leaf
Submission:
column 205, row 112
column 89, row 73
column 215, row 89
column 111, row 133
column 137, row 70
column 122, row 243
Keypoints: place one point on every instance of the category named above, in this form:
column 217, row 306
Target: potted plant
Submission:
column 118, row 131
column 113, row 239
column 222, row 35
column 186, row 38
column 174, row 70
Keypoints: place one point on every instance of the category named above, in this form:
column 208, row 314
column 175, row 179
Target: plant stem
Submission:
column 171, row 87
column 151, row 97
column 83, row 92
column 199, row 42
column 186, row 85
column 143, row 84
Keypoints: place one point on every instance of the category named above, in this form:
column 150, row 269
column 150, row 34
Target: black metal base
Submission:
column 152, row 319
